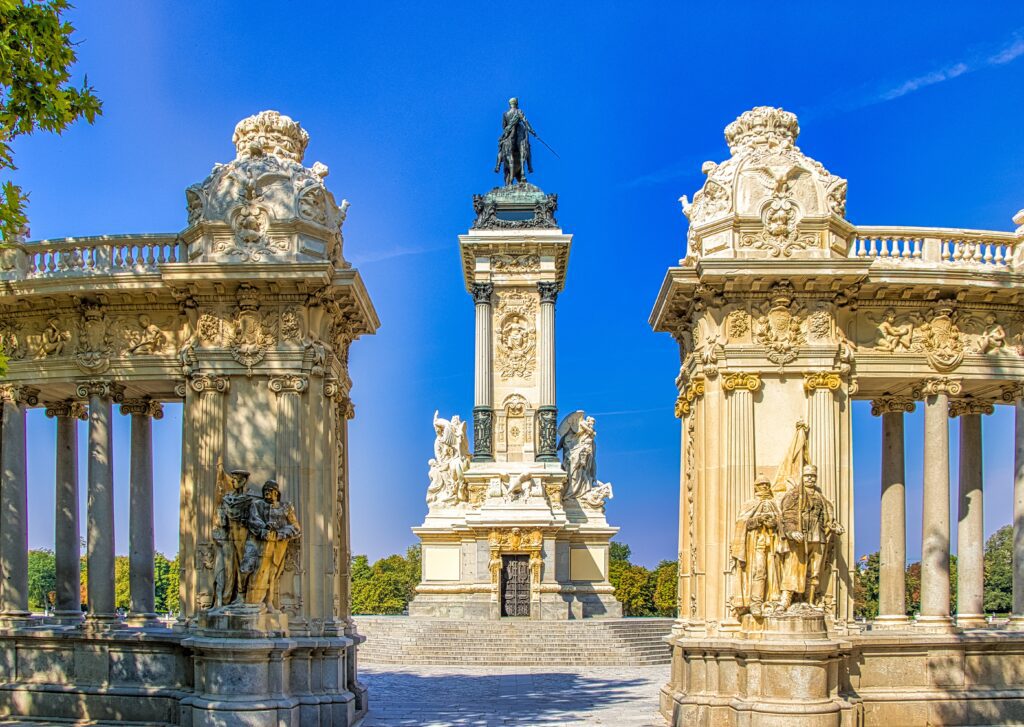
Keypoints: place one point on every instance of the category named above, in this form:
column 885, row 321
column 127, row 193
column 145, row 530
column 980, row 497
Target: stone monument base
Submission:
column 870, row 679
column 155, row 675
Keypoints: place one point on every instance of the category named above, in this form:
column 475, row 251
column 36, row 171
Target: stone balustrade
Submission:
column 102, row 255
column 937, row 247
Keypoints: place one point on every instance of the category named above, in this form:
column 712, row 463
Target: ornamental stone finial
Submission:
column 269, row 133
column 762, row 127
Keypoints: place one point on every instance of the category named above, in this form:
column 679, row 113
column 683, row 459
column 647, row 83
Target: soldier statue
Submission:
column 514, row 144
column 808, row 528
column 753, row 550
column 230, row 533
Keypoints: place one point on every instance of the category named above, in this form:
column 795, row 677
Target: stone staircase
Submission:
column 589, row 642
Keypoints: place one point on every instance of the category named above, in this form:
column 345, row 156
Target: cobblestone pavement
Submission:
column 433, row 696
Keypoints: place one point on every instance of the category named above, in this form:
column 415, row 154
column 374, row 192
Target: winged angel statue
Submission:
column 576, row 436
column 449, row 464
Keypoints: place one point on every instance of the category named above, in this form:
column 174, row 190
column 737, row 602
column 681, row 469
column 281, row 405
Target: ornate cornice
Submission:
column 548, row 291
column 939, row 385
column 684, row 402
column 289, row 383
column 209, row 382
column 739, row 380
column 892, row 405
column 19, row 394
column 482, row 293
column 960, row 407
column 103, row 388
column 68, row 408
column 830, row 380
column 144, row 406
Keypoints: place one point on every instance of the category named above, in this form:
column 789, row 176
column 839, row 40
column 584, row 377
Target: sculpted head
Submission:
column 762, row 488
column 144, row 320
column 513, row 103
column 271, row 492
column 238, row 479
column 809, row 476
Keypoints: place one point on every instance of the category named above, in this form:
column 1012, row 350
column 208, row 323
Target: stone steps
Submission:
column 438, row 642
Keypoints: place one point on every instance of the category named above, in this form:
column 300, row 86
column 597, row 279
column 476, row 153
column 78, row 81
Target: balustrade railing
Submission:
column 935, row 246
column 93, row 255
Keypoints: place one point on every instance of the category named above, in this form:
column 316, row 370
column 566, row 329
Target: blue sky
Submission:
column 917, row 104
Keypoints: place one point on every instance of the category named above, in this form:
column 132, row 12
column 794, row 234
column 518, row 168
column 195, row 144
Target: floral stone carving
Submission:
column 517, row 335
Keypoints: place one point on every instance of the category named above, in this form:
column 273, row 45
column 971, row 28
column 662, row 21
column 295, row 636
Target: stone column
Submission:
column 14, row 502
column 970, row 540
column 100, row 525
column 547, row 412
column 935, row 511
column 141, row 548
column 1015, row 394
column 483, row 392
column 67, row 547
column 892, row 589
column 289, row 444
column 739, row 391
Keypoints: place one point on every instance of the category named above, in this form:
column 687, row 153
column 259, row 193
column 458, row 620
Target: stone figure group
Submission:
column 576, row 440
column 253, row 534
column 449, row 464
column 781, row 551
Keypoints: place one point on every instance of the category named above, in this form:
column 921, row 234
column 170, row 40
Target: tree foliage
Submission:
column 42, row 579
column 999, row 571
column 640, row 591
column 388, row 585
column 36, row 94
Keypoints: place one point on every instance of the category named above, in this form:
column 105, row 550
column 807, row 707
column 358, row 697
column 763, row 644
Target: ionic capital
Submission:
column 936, row 386
column 19, row 395
column 335, row 390
column 1012, row 393
column 350, row 409
column 103, row 388
column 289, row 383
column 482, row 293
column 892, row 405
column 70, row 408
column 960, row 407
column 741, row 381
column 830, row 380
column 548, row 291
column 693, row 391
column 145, row 407
column 209, row 382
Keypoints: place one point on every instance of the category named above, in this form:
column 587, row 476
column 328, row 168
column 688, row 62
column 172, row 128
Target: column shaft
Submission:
column 14, row 510
column 483, row 391
column 547, row 352
column 935, row 513
column 67, row 533
column 970, row 549
column 140, row 528
column 892, row 604
column 100, row 527
column 1017, row 618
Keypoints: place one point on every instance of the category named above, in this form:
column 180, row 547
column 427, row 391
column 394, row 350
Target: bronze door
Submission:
column 515, row 585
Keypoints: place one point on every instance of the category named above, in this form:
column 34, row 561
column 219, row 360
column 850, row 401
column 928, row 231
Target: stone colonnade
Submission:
column 100, row 395
column 940, row 401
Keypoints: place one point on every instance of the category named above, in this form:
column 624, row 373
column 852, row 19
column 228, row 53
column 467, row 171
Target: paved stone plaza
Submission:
column 433, row 696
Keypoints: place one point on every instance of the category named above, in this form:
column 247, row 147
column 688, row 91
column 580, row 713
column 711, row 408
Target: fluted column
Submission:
column 935, row 510
column 1015, row 395
column 141, row 548
column 483, row 391
column 892, row 589
column 739, row 391
column 100, row 525
column 547, row 412
column 14, row 502
column 970, row 539
column 67, row 532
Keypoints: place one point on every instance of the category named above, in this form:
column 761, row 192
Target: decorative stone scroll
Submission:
column 692, row 391
column 68, row 408
column 940, row 385
column 209, row 382
column 960, row 407
column 830, row 380
column 289, row 383
column 102, row 388
column 741, row 381
column 19, row 395
column 144, row 407
column 892, row 405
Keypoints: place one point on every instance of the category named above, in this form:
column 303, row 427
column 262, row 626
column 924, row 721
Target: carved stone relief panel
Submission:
column 516, row 335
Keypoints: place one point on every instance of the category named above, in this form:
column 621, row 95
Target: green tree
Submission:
column 865, row 587
column 635, row 590
column 999, row 571
column 165, row 583
column 666, row 588
column 42, row 579
column 618, row 552
column 122, row 585
column 36, row 54
column 388, row 585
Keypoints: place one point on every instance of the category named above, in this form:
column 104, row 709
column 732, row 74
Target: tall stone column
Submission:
column 739, row 391
column 483, row 391
column 935, row 510
column 289, row 444
column 892, row 590
column 825, row 438
column 970, row 540
column 100, row 525
column 67, row 547
column 1015, row 395
column 14, row 502
column 547, row 412
column 141, row 548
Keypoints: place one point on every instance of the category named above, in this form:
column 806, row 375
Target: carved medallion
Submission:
column 780, row 331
